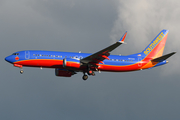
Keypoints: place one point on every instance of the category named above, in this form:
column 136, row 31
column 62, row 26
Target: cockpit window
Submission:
column 15, row 54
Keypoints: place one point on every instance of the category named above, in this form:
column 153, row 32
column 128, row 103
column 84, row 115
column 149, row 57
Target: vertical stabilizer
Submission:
column 156, row 47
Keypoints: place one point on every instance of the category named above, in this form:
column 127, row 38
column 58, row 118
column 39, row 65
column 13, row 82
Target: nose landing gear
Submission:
column 21, row 71
column 19, row 66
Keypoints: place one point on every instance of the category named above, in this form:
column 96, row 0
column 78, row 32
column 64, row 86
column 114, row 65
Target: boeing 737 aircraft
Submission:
column 67, row 64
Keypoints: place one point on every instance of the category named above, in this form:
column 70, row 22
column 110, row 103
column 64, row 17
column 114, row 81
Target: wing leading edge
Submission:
column 98, row 57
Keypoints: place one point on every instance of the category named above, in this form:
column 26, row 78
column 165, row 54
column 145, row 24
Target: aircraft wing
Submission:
column 98, row 57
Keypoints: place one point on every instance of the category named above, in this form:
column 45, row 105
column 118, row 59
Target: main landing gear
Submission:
column 89, row 72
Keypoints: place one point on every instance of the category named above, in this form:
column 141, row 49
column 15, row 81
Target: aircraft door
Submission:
column 139, row 61
column 27, row 54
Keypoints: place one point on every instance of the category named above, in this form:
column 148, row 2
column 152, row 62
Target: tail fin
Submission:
column 156, row 47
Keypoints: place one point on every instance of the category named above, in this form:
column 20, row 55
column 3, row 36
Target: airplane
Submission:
column 67, row 64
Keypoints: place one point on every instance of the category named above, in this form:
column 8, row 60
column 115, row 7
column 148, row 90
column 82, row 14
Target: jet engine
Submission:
column 71, row 63
column 64, row 72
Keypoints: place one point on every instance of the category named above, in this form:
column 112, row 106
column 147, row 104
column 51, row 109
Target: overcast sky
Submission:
column 88, row 26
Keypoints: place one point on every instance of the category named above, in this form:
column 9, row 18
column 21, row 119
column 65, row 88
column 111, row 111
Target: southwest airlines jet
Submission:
column 67, row 64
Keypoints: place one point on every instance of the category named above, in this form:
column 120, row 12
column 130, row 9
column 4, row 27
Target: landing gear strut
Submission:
column 19, row 66
column 93, row 74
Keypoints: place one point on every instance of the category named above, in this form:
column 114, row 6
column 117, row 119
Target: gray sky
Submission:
column 88, row 26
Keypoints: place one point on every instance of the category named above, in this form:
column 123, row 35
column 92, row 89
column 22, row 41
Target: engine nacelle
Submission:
column 63, row 72
column 71, row 63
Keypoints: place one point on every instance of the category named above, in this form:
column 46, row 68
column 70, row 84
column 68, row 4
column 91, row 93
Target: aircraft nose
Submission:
column 8, row 59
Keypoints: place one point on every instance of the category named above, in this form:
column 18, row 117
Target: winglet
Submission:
column 123, row 37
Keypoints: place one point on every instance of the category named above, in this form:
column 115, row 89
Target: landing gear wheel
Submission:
column 90, row 72
column 85, row 77
column 21, row 71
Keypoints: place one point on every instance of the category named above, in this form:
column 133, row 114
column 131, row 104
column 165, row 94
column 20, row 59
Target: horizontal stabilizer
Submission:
column 162, row 58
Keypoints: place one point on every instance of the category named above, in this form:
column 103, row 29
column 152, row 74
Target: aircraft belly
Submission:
column 118, row 68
